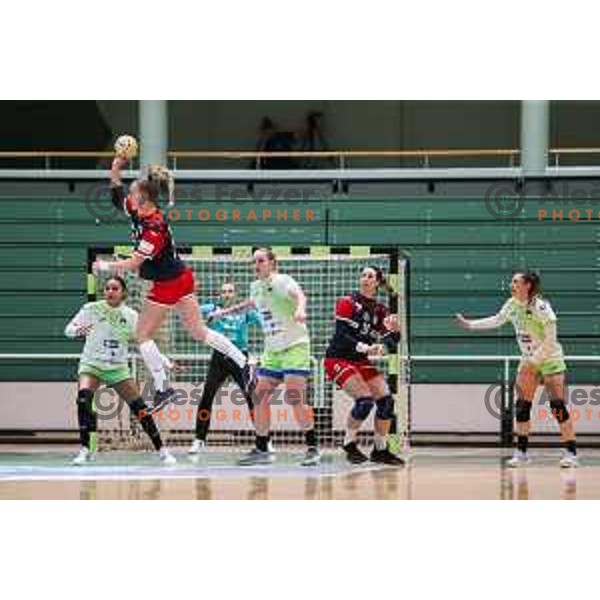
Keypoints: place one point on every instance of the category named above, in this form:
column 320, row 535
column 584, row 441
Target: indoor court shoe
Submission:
column 385, row 457
column 353, row 454
column 83, row 457
column 312, row 457
column 166, row 458
column 162, row 399
column 197, row 447
column 519, row 459
column 569, row 461
column 256, row 457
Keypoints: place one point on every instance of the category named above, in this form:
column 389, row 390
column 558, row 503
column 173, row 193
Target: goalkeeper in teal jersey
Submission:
column 108, row 327
column 281, row 304
column 542, row 361
column 221, row 368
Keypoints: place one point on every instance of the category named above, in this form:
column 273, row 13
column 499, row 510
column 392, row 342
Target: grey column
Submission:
column 535, row 131
column 153, row 132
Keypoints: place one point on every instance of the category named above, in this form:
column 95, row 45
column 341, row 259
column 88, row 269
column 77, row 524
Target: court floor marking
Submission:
column 141, row 473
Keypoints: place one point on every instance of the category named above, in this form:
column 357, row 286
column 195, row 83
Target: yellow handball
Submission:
column 126, row 146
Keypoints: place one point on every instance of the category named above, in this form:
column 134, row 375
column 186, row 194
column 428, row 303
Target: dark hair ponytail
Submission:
column 382, row 281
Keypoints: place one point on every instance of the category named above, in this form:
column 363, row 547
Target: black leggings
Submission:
column 220, row 369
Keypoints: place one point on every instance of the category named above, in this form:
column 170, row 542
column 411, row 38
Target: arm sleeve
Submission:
column 391, row 339
column 120, row 199
column 492, row 322
column 117, row 197
column 81, row 319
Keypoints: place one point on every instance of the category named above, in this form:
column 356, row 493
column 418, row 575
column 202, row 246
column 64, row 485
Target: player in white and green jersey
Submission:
column 281, row 304
column 542, row 361
column 108, row 327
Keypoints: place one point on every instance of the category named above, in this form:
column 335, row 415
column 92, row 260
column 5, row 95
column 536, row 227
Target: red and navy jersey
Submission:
column 359, row 319
column 153, row 240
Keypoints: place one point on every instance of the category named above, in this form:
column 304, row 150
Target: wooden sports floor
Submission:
column 431, row 473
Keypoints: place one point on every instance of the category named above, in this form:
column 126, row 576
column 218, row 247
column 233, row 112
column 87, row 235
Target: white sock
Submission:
column 380, row 441
column 155, row 362
column 224, row 346
column 350, row 436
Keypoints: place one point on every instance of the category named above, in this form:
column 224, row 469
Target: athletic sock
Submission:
column 220, row 343
column 571, row 446
column 311, row 438
column 522, row 442
column 86, row 417
column 140, row 410
column 380, row 441
column 262, row 443
column 155, row 362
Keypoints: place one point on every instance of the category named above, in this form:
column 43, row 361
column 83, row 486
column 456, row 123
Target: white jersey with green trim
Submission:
column 107, row 343
column 535, row 326
column 272, row 298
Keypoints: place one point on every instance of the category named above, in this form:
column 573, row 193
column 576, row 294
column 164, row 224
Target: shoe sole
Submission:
column 160, row 406
column 357, row 461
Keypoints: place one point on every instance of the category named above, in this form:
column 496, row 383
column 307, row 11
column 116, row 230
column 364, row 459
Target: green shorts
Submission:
column 110, row 376
column 548, row 367
column 294, row 360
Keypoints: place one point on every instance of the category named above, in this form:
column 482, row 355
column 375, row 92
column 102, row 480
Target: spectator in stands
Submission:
column 311, row 139
column 271, row 139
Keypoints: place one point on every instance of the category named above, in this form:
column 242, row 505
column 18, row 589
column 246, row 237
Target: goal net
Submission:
column 325, row 274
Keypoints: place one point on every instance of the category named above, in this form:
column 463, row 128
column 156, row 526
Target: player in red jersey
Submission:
column 363, row 327
column 155, row 258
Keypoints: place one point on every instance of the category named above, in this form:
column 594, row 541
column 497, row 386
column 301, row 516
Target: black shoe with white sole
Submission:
column 385, row 457
column 162, row 400
column 353, row 454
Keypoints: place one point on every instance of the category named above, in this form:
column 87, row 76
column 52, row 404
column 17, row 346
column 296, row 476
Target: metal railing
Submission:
column 507, row 156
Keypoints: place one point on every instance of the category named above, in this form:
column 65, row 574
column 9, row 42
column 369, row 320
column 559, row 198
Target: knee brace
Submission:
column 361, row 409
column 523, row 411
column 138, row 408
column 385, row 408
column 559, row 410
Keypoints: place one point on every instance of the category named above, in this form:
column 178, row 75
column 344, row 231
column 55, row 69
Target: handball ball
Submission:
column 126, row 146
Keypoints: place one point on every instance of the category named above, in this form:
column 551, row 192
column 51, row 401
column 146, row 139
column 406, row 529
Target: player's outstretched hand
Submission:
column 462, row 322
column 118, row 163
column 83, row 330
column 376, row 350
column 391, row 323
